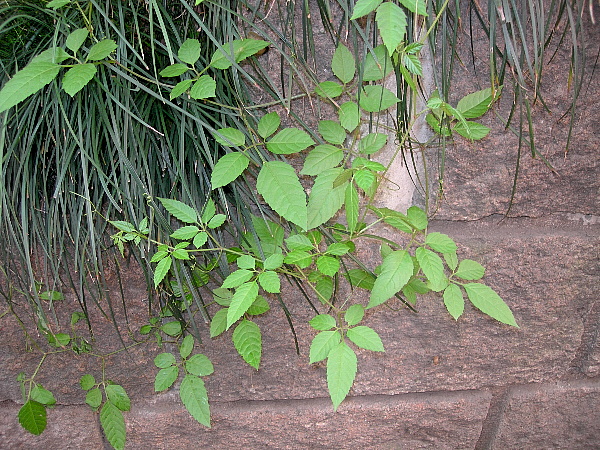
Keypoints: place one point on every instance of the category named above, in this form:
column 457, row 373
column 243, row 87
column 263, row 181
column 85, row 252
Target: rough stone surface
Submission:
column 405, row 421
column 565, row 415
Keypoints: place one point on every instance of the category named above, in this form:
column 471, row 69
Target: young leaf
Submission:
column 180, row 88
column 94, row 398
column 396, row 269
column 195, row 399
column 440, row 242
column 371, row 143
column 328, row 265
column 454, row 301
column 391, row 22
column 470, row 270
column 204, row 87
column 186, row 347
column 101, row 50
column 322, row 322
column 242, row 299
column 118, row 397
column 230, row 137
column 26, row 82
column 270, row 282
column 360, row 278
column 247, row 340
column 332, row 132
column 199, row 365
column 475, row 104
column 377, row 98
column 165, row 378
column 189, row 52
column 413, row 64
column 268, row 124
column 288, row 141
column 279, row 185
column 218, row 324
column 162, row 269
column 433, row 268
column 237, row 278
column 485, row 299
column 322, row 344
column 365, row 337
column 76, row 39
column 354, row 315
column 325, row 200
column 341, row 371
column 32, row 417
column 260, row 306
column 343, row 64
column 349, row 115
column 364, row 7
column 321, row 158
column 185, row 233
column 175, row 70
column 87, row 382
column 113, row 425
column 329, row 89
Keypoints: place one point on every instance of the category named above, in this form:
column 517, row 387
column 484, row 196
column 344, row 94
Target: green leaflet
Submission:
column 372, row 142
column 279, row 185
column 354, row 314
column 76, row 39
column 32, row 417
column 260, row 306
column 237, row 278
column 195, row 399
column 365, row 337
column 218, row 324
column 174, row 70
column 180, row 88
column 329, row 89
column 360, row 278
column 485, row 299
column 471, row 130
column 433, row 268
column 247, row 340
column 343, row 64
column 378, row 64
column 270, row 282
column 161, row 270
column 440, row 242
column 101, row 50
column 268, row 124
column 189, row 52
column 391, row 22
column 454, row 301
column 242, row 49
column 204, row 87
column 475, row 104
column 341, row 371
column 322, row 344
column 364, row 7
column 375, row 98
column 332, row 132
column 242, row 299
column 165, row 378
column 118, row 397
column 163, row 360
column 325, row 200
column 289, row 140
column 186, row 347
column 322, row 322
column 321, row 158
column 113, row 425
column 396, row 269
column 180, row 210
column 328, row 265
column 229, row 137
column 349, row 115
column 26, row 82
column 416, row 6
column 351, row 206
column 199, row 365
column 470, row 270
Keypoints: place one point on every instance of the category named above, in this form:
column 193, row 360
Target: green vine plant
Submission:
column 320, row 212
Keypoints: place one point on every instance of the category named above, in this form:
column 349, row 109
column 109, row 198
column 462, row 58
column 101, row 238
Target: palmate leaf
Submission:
column 341, row 371
column 485, row 299
column 195, row 399
column 391, row 22
column 32, row 417
column 113, row 425
column 279, row 185
column 26, row 82
column 247, row 340
column 228, row 168
column 396, row 269
column 77, row 77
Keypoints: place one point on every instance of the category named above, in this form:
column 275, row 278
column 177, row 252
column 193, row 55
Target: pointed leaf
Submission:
column 332, row 132
column 165, row 378
column 377, row 98
column 396, row 269
column 195, row 399
column 322, row 322
column 454, row 301
column 372, row 142
column 180, row 210
column 301, row 258
column 260, row 306
column 118, row 397
column 475, row 104
column 470, row 270
column 324, row 287
column 55, row 55
column 76, row 39
column 343, row 64
column 471, row 130
column 391, row 22
column 354, row 315
column 113, row 425
column 377, row 65
column 364, row 7
column 328, row 265
column 325, row 200
column 164, row 360
column 32, row 417
column 440, row 242
column 175, row 70
column 273, row 262
column 230, row 137
column 186, row 347
column 415, row 6
column 270, row 282
column 94, row 398
column 349, row 115
column 268, row 124
column 329, row 89
column 289, row 140
column 204, row 87
column 247, row 340
column 365, row 337
column 180, row 88
column 299, row 242
column 87, row 382
column 218, row 324
column 360, row 278
column 321, row 158
column 101, row 50
column 242, row 49
column 417, row 217
column 341, row 371
column 279, row 185
column 322, row 344
column 26, row 82
column 237, row 278
column 485, row 299
column 189, row 52
column 242, row 299
column 185, row 233
column 162, row 269
column 199, row 365
column 451, row 260
column 433, row 268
